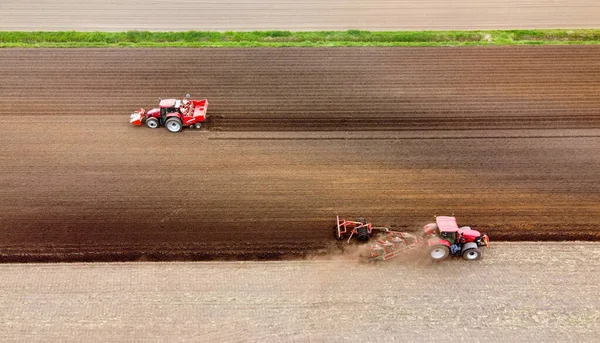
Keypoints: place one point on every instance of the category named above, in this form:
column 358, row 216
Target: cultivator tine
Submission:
column 393, row 244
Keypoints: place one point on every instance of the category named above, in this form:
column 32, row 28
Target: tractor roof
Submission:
column 446, row 224
column 167, row 103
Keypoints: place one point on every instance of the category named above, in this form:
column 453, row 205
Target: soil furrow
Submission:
column 504, row 138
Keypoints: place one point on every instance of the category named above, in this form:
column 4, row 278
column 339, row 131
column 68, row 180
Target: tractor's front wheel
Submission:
column 173, row 124
column 198, row 126
column 439, row 253
column 472, row 254
column 152, row 123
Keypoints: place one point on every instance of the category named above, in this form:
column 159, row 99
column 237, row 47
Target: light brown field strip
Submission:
column 245, row 15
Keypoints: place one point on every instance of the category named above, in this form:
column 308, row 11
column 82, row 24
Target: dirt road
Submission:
column 520, row 292
column 246, row 15
column 506, row 139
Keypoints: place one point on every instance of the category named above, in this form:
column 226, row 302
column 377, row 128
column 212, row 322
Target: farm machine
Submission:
column 388, row 243
column 445, row 238
column 441, row 239
column 173, row 114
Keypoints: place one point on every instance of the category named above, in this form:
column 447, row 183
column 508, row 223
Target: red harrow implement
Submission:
column 359, row 229
column 392, row 244
column 388, row 243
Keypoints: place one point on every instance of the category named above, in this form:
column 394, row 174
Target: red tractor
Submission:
column 173, row 114
column 445, row 238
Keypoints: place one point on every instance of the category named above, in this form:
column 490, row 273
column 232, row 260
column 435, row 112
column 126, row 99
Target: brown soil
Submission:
column 518, row 292
column 504, row 138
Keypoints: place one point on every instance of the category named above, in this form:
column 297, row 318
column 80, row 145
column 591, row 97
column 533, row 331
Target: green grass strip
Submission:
column 197, row 39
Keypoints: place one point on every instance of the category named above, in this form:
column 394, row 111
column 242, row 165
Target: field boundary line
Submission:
column 250, row 39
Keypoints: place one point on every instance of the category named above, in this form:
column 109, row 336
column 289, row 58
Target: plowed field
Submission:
column 504, row 138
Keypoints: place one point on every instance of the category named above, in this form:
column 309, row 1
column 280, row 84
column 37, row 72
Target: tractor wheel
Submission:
column 173, row 124
column 439, row 252
column 362, row 234
column 152, row 123
column 198, row 126
column 472, row 254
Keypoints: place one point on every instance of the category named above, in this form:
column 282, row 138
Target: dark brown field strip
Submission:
column 77, row 183
column 306, row 84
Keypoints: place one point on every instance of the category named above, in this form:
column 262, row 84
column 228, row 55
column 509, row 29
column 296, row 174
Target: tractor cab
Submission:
column 451, row 237
column 448, row 229
column 168, row 106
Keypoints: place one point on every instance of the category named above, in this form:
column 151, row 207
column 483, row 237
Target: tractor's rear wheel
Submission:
column 173, row 124
column 152, row 123
column 439, row 252
column 472, row 254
